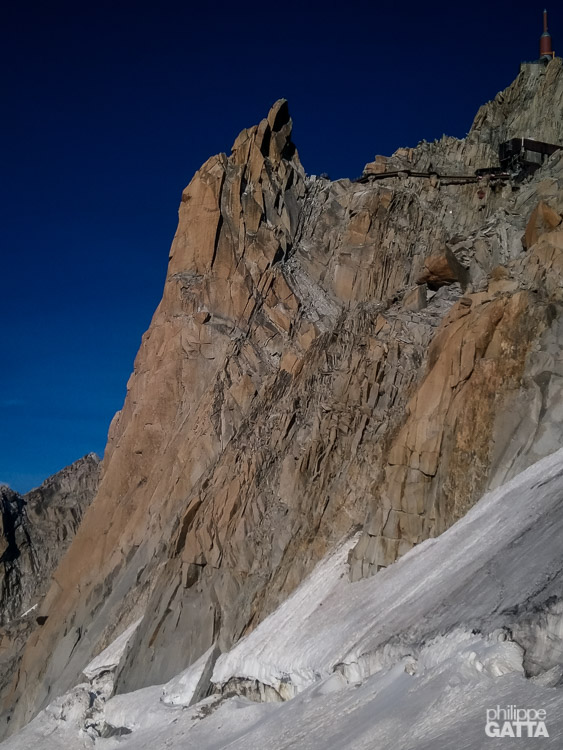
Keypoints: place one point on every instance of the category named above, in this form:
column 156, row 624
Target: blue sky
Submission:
column 110, row 107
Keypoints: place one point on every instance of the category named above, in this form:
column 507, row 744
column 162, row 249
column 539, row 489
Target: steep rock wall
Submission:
column 324, row 353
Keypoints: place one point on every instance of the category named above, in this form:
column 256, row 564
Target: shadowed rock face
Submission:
column 296, row 383
column 37, row 529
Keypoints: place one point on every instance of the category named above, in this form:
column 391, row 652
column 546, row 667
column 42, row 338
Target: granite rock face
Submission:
column 327, row 357
column 530, row 107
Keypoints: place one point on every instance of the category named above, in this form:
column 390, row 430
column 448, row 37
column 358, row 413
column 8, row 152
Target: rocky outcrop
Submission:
column 442, row 269
column 487, row 404
column 327, row 356
column 37, row 529
column 529, row 108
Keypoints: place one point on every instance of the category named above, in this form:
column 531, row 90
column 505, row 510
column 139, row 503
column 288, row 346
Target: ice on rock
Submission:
column 159, row 704
column 136, row 710
column 490, row 562
column 191, row 685
column 276, row 652
column 109, row 658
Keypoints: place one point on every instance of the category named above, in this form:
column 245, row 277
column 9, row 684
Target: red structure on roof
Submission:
column 546, row 49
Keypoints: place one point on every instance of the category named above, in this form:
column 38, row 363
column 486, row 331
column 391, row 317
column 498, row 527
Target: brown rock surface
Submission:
column 439, row 462
column 543, row 219
column 444, row 268
column 290, row 389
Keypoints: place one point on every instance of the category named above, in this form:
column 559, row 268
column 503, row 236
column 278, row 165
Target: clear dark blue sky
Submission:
column 110, row 107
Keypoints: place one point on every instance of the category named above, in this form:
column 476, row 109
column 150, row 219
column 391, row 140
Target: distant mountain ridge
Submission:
column 37, row 529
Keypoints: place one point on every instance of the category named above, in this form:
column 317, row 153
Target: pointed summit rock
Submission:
column 216, row 339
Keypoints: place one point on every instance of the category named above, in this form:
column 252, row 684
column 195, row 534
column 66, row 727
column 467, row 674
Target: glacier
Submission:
column 410, row 658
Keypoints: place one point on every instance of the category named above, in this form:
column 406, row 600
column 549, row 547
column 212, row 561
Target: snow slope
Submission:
column 504, row 556
column 409, row 659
